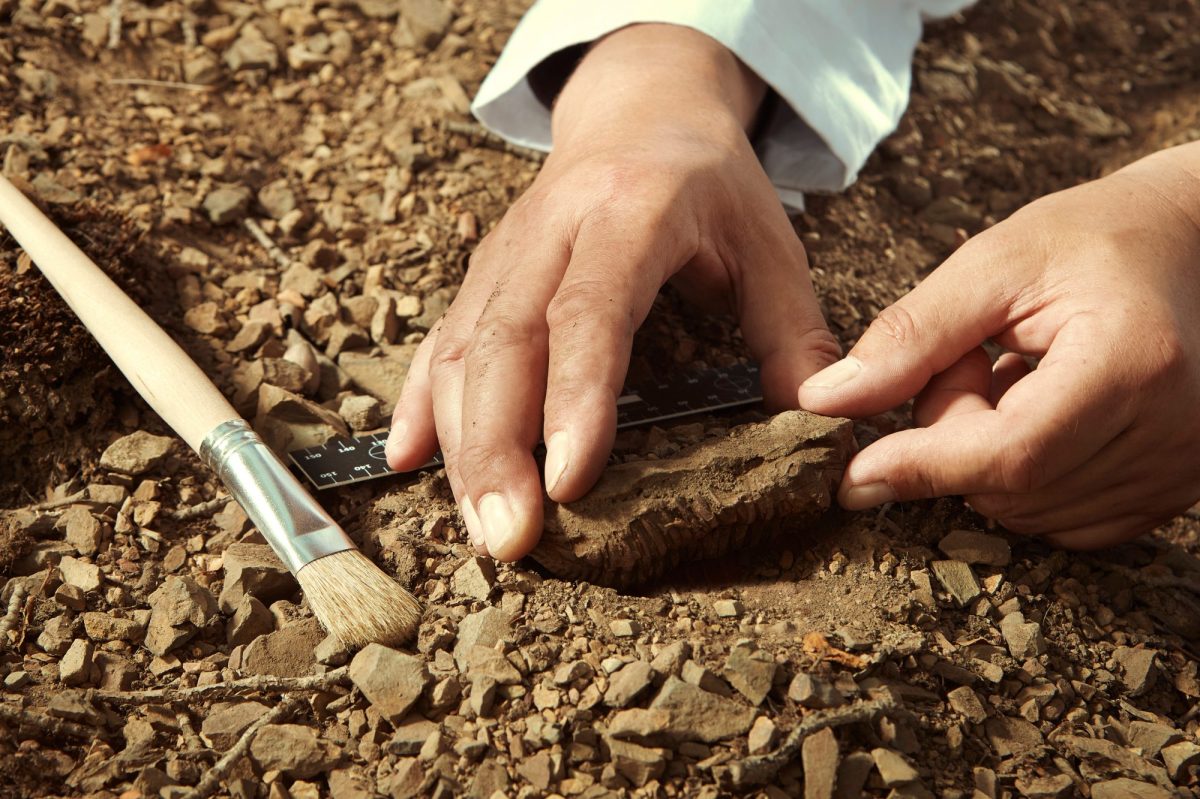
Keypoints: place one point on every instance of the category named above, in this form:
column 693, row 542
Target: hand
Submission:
column 652, row 177
column 1098, row 443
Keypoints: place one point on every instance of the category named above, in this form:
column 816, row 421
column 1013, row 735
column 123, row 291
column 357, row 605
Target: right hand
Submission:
column 652, row 178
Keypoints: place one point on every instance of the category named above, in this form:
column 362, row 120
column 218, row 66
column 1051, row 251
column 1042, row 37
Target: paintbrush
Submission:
column 351, row 596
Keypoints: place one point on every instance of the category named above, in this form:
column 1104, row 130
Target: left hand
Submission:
column 1098, row 443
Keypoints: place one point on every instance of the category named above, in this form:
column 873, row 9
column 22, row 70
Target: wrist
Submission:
column 648, row 74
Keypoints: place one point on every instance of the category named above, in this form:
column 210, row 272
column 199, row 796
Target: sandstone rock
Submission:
column 763, row 736
column 474, row 578
column 225, row 723
column 287, row 652
column 1178, row 758
column 813, row 692
column 970, row 546
column 288, row 421
column 252, row 51
column 727, row 608
column 391, row 680
column 57, row 635
column 277, row 199
column 410, row 736
column 628, row 684
column 1138, row 670
column 1125, row 788
column 893, row 768
column 293, row 749
column 957, row 578
column 751, row 672
column 484, row 628
column 84, row 576
column 82, row 529
column 639, row 724
column 1151, row 737
column 250, row 620
column 178, row 609
column 422, row 24
column 696, row 715
column 361, row 413
column 76, row 667
column 1010, row 736
column 383, row 377
column 201, row 66
column 966, row 702
column 107, row 627
column 1054, row 786
column 1024, row 639
column 254, row 569
column 819, row 755
column 671, row 658
column 227, row 203
column 136, row 453
column 484, row 661
column 636, row 763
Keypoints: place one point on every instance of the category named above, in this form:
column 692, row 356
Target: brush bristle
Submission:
column 357, row 602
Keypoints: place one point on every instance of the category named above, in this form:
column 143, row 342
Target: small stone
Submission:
column 484, row 661
column 819, row 755
column 70, row 597
column 277, row 199
column 696, row 715
column 966, row 702
column 382, row 378
column 957, row 578
column 392, row 681
column 82, row 530
column 136, row 453
column 970, row 546
column 671, row 658
column 639, row 724
column 178, row 609
column 107, row 627
column 1138, row 670
column 84, row 576
column 344, row 337
column 1125, row 788
column 763, row 735
column 852, row 774
column 227, row 203
column 288, row 421
column 813, row 692
column 624, row 628
column 728, row 608
column 474, row 578
column 628, row 684
column 253, row 333
column 893, row 768
column 751, row 672
column 76, row 667
column 57, row 635
column 1024, row 639
column 575, row 671
column 225, row 723
column 305, row 280
column 1012, row 736
column 1178, row 758
column 256, row 570
column 695, row 674
column 1055, row 786
column 423, row 23
column 361, row 412
column 252, row 51
column 484, row 628
column 292, row 749
column 1151, row 737
column 16, row 680
column 349, row 783
column 636, row 763
column 412, row 735
column 385, row 325
column 287, row 652
column 250, row 620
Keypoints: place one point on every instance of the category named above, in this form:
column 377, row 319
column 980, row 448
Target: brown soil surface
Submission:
column 352, row 149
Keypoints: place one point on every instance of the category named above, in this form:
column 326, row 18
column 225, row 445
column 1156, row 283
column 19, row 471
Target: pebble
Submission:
column 1055, row 786
column 411, row 735
column 577, row 670
column 1125, row 788
column 277, row 199
column 1178, row 758
column 624, row 628
column 57, row 635
column 813, row 692
column 1138, row 669
column 763, row 735
column 70, row 597
column 486, row 627
column 287, row 652
column 391, row 680
column 250, row 620
column 1024, row 639
column 178, row 609
column 251, row 51
column 639, row 724
column 254, row 570
column 474, row 578
column 1151, row 737
column 819, row 755
column 628, row 684
column 81, row 529
column 670, row 658
column 423, row 23
column 108, row 627
column 136, row 453
column 636, row 763
column 852, row 774
column 226, row 722
column 484, row 661
column 293, row 750
column 958, row 579
column 697, row 715
column 893, row 768
column 383, row 377
column 76, row 667
column 81, row 574
column 17, row 679
column 227, row 203
column 1011, row 736
column 752, row 672
column 966, row 702
column 970, row 546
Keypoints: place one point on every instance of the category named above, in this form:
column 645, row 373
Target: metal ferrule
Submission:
column 296, row 527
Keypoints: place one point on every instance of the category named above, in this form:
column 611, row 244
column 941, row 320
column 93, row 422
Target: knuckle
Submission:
column 993, row 506
column 896, row 325
column 584, row 299
column 475, row 458
column 499, row 331
column 1023, row 465
column 448, row 353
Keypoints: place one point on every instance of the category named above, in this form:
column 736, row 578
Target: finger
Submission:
column 960, row 389
column 604, row 297
column 503, row 394
column 412, row 439
column 1048, row 424
column 778, row 312
column 1108, row 533
column 1010, row 367
column 953, row 311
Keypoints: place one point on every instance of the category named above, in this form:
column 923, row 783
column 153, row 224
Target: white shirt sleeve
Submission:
column 841, row 67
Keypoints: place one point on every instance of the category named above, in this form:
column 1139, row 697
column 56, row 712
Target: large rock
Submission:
column 136, row 453
column 697, row 715
column 391, row 680
column 287, row 652
column 254, row 569
column 226, row 722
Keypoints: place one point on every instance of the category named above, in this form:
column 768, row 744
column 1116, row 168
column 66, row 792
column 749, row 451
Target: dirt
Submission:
column 357, row 158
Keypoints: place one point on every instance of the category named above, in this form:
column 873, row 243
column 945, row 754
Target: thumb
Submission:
column 923, row 333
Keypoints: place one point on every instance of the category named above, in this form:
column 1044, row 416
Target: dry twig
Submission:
column 261, row 684
column 161, row 84
column 78, row 496
column 215, row 776
column 481, row 135
column 201, row 510
column 48, row 728
column 273, row 249
column 763, row 768
column 114, row 24
column 12, row 614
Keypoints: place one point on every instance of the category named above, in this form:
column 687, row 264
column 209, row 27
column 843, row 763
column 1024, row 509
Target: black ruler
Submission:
column 342, row 461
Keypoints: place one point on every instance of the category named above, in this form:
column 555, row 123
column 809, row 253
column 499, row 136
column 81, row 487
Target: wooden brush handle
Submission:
column 156, row 366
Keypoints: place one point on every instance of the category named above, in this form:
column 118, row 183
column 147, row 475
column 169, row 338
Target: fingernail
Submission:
column 558, row 453
column 395, row 436
column 471, row 520
column 868, row 496
column 835, row 374
column 499, row 526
